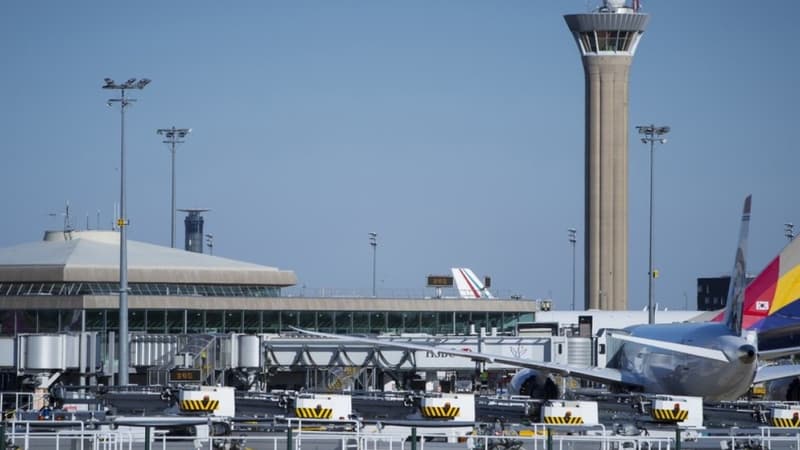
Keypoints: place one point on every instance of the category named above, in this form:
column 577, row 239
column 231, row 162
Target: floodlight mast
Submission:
column 572, row 236
column 652, row 134
column 173, row 136
column 122, row 223
column 373, row 241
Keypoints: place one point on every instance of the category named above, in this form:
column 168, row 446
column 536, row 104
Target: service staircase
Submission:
column 192, row 351
column 343, row 378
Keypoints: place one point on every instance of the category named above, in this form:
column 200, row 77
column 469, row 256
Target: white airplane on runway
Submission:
column 713, row 360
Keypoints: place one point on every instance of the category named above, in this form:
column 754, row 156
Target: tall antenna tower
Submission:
column 67, row 227
column 67, row 219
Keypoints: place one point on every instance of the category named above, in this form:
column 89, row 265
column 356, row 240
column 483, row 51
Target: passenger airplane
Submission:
column 713, row 360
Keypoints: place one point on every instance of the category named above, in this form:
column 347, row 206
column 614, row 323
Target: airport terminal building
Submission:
column 69, row 282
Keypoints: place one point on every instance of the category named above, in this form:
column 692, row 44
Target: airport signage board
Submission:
column 440, row 281
column 184, row 376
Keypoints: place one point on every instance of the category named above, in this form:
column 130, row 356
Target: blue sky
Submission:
column 453, row 129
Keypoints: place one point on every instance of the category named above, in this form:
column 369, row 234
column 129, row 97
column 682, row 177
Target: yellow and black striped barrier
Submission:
column 670, row 415
column 786, row 422
column 204, row 405
column 314, row 413
column 447, row 411
column 786, row 418
column 566, row 419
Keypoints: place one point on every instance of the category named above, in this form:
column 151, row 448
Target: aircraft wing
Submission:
column 778, row 353
column 769, row 373
column 598, row 374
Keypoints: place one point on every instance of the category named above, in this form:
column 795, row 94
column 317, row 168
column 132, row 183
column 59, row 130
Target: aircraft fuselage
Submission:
column 664, row 371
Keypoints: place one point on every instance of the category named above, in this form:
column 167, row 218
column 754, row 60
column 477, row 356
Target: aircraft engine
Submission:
column 241, row 379
column 533, row 384
column 786, row 389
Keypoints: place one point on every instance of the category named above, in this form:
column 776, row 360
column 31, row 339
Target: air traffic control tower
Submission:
column 607, row 39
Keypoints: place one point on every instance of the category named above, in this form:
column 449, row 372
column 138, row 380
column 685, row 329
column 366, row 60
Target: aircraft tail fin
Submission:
column 734, row 305
column 772, row 298
column 468, row 284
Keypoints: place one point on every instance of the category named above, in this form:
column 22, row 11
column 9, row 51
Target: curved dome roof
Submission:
column 93, row 256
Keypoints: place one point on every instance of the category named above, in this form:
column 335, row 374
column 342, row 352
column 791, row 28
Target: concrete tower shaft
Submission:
column 607, row 40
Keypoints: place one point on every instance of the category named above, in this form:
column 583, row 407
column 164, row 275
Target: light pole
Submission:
column 210, row 243
column 572, row 239
column 373, row 241
column 652, row 134
column 173, row 136
column 788, row 229
column 122, row 223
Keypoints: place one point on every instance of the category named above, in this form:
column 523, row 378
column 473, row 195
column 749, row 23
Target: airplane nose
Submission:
column 747, row 353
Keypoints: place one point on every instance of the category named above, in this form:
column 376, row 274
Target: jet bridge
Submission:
column 321, row 352
column 243, row 360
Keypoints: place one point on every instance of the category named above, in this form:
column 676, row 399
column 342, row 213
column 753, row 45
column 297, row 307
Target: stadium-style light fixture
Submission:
column 122, row 223
column 173, row 136
column 652, row 134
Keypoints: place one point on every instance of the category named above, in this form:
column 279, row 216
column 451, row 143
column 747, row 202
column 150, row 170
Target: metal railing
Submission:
column 20, row 401
column 299, row 434
column 390, row 293
column 204, row 350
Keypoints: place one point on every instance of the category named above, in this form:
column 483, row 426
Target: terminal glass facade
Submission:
column 153, row 289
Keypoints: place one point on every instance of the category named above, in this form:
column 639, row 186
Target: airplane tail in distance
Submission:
column 735, row 304
column 469, row 285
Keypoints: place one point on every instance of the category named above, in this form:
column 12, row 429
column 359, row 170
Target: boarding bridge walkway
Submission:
column 214, row 354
